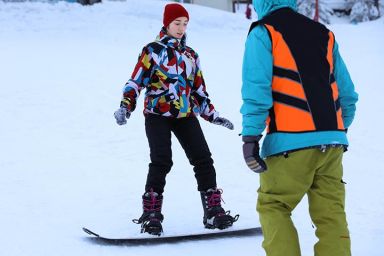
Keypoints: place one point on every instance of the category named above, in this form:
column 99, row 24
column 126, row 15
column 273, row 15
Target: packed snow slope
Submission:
column 64, row 163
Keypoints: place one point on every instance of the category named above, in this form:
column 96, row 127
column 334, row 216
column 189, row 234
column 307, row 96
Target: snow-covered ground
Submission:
column 65, row 164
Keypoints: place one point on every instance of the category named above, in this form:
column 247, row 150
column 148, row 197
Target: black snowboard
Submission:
column 149, row 239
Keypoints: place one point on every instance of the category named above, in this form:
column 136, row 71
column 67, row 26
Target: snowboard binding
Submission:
column 151, row 218
column 221, row 221
column 214, row 215
column 150, row 223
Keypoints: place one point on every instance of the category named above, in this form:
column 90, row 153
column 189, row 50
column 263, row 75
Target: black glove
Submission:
column 251, row 154
column 223, row 122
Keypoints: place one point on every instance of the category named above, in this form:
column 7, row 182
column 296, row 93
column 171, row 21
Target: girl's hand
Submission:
column 223, row 122
column 121, row 115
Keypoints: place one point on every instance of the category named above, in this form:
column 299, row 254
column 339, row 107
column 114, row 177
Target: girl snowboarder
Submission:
column 170, row 72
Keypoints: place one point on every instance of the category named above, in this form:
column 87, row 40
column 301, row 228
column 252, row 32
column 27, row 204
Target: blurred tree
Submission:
column 315, row 9
column 364, row 10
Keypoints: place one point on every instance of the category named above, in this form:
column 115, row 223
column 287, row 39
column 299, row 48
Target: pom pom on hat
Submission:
column 172, row 12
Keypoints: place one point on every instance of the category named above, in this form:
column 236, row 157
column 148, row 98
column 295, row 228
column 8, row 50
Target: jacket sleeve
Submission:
column 200, row 94
column 139, row 79
column 257, row 81
column 347, row 95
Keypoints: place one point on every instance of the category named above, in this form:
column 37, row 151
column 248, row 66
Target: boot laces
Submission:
column 152, row 203
column 214, row 199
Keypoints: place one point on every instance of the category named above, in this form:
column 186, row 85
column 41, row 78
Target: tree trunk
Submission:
column 316, row 18
column 376, row 3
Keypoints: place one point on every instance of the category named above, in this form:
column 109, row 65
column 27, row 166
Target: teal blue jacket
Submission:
column 256, row 90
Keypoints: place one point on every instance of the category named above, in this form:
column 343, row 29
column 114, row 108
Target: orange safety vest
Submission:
column 305, row 93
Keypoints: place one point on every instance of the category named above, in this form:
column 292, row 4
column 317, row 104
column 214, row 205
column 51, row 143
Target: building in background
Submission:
column 236, row 6
column 240, row 5
column 225, row 5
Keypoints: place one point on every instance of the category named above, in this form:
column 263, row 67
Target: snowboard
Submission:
column 173, row 238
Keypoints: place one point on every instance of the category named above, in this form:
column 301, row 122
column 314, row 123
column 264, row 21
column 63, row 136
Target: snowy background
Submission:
column 65, row 164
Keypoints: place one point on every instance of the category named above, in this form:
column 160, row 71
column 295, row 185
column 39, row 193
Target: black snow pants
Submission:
column 188, row 131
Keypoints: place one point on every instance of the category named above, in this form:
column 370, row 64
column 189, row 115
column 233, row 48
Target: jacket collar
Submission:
column 178, row 44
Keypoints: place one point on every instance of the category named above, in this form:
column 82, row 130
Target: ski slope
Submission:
column 65, row 164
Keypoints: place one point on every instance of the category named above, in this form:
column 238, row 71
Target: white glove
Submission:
column 121, row 115
column 223, row 122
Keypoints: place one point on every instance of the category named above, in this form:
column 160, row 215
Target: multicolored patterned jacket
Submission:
column 170, row 72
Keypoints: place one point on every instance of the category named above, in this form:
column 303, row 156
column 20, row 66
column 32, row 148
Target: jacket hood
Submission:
column 264, row 7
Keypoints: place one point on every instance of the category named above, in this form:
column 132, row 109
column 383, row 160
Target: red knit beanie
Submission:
column 172, row 12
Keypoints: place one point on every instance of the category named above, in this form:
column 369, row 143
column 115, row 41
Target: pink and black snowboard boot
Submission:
column 214, row 215
column 151, row 218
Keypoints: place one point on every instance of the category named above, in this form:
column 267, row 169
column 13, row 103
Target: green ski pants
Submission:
column 317, row 174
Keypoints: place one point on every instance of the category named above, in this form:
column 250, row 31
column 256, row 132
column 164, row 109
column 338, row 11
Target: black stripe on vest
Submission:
column 256, row 23
column 332, row 78
column 253, row 25
column 272, row 120
column 337, row 104
column 286, row 73
column 291, row 101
